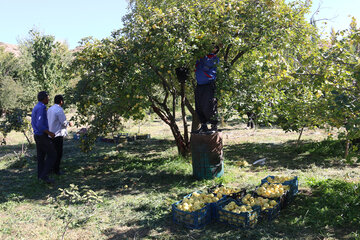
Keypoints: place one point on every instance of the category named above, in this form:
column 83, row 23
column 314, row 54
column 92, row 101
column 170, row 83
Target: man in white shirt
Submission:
column 58, row 124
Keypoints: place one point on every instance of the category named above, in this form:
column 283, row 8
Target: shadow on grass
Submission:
column 142, row 167
column 288, row 155
column 294, row 222
column 133, row 165
column 163, row 224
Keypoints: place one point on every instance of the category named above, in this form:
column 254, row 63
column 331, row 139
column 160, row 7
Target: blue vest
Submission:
column 205, row 71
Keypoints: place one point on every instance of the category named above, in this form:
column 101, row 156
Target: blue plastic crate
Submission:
column 237, row 220
column 294, row 184
column 270, row 213
column 283, row 199
column 193, row 220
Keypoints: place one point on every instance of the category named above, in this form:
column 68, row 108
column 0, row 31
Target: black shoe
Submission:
column 202, row 129
column 47, row 180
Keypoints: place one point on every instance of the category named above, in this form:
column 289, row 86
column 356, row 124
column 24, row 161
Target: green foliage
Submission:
column 139, row 60
column 42, row 65
column 11, row 92
column 75, row 207
column 335, row 203
column 104, row 96
column 47, row 62
column 10, row 86
column 340, row 72
column 16, row 120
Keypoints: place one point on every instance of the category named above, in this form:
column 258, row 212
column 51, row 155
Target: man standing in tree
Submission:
column 58, row 125
column 45, row 150
column 205, row 101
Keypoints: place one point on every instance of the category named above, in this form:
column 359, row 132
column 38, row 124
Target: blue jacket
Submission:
column 205, row 71
column 39, row 121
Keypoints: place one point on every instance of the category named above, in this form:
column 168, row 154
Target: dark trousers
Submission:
column 206, row 103
column 58, row 144
column 46, row 155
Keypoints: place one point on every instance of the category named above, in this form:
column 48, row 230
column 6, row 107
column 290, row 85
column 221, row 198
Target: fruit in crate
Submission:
column 196, row 201
column 264, row 203
column 220, row 191
column 233, row 207
column 279, row 179
column 272, row 190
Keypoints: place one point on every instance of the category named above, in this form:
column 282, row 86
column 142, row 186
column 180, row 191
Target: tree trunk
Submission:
column 347, row 147
column 27, row 138
column 195, row 119
column 183, row 112
column 182, row 145
column 298, row 141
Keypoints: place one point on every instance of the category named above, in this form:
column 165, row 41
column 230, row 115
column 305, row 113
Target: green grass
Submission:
column 139, row 181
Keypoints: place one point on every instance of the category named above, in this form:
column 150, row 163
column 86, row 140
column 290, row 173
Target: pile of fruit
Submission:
column 197, row 201
column 272, row 190
column 264, row 203
column 222, row 190
column 278, row 179
column 233, row 207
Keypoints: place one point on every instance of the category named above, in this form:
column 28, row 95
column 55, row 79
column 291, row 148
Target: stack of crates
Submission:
column 216, row 212
column 214, row 206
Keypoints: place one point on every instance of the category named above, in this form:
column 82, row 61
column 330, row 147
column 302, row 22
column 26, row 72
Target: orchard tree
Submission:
column 41, row 65
column 105, row 94
column 10, row 86
column 47, row 61
column 342, row 74
column 158, row 38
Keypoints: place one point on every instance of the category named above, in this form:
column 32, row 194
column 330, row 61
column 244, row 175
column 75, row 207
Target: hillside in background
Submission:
column 10, row 48
column 13, row 48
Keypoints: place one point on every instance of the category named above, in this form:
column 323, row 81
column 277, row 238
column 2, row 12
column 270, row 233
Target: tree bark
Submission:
column 347, row 147
column 182, row 145
column 195, row 119
column 27, row 138
column 298, row 141
column 183, row 112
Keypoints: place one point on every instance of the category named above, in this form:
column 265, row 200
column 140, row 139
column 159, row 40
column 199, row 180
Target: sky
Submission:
column 72, row 20
column 67, row 20
column 338, row 13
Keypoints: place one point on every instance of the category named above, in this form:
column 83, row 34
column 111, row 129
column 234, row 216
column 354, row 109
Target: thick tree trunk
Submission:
column 182, row 145
column 195, row 119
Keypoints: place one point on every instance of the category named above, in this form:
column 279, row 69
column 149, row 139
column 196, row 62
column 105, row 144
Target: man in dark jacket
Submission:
column 205, row 101
column 45, row 150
